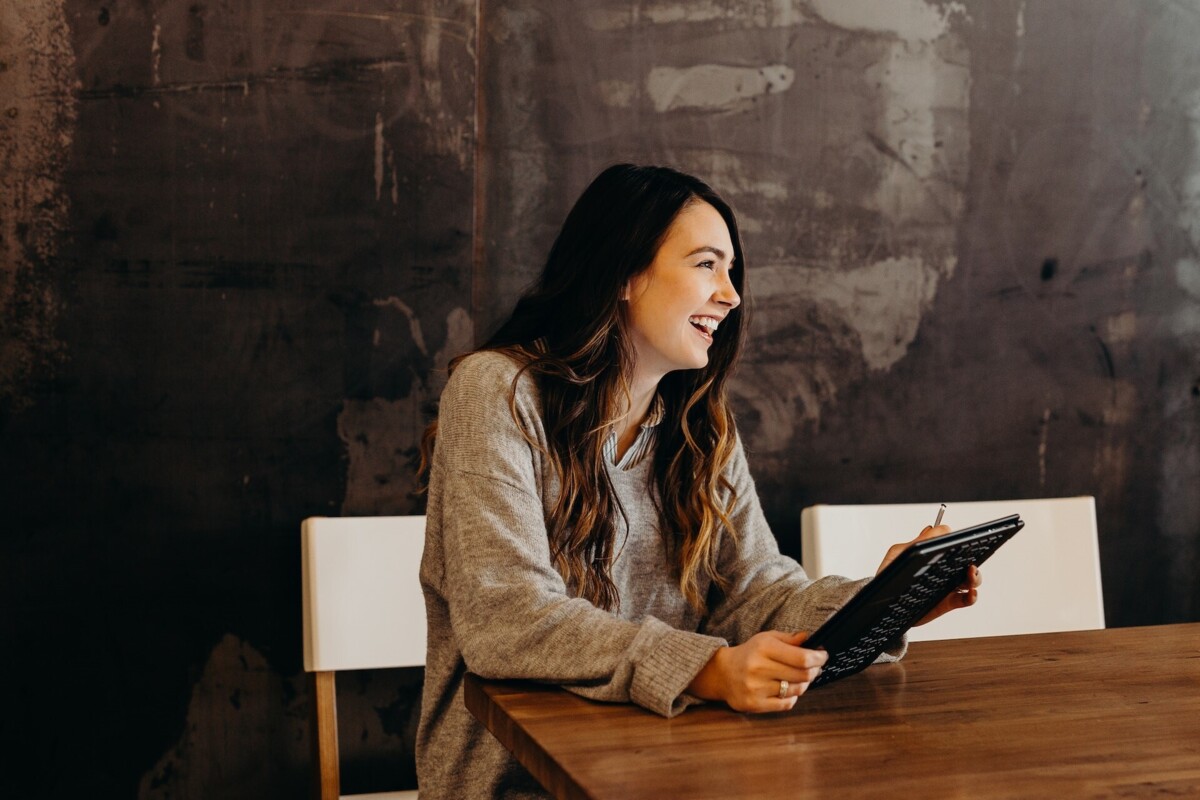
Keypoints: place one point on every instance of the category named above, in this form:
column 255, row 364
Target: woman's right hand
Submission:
column 748, row 676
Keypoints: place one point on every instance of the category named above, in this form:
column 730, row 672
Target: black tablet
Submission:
column 904, row 592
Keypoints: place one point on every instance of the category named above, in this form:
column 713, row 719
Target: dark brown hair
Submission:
column 570, row 331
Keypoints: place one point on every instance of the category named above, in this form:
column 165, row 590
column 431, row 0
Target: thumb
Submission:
column 924, row 534
column 931, row 532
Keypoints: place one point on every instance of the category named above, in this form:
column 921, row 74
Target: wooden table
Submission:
column 1112, row 713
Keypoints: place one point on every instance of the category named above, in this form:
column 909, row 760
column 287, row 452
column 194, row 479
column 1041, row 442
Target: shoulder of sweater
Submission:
column 484, row 380
column 738, row 465
column 488, row 371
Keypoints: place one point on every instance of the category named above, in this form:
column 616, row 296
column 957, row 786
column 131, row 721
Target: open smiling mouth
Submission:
column 705, row 326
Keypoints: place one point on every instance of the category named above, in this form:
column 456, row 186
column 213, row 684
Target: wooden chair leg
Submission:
column 326, row 780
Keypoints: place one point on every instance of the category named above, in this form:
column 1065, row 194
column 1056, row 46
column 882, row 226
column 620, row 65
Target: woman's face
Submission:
column 677, row 305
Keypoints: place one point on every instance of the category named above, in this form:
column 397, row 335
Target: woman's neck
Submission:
column 630, row 419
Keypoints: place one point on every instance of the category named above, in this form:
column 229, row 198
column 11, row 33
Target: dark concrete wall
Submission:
column 240, row 241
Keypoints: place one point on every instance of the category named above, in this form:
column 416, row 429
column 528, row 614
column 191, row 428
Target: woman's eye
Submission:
column 707, row 264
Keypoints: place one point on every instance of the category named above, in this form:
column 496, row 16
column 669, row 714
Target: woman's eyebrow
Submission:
column 718, row 252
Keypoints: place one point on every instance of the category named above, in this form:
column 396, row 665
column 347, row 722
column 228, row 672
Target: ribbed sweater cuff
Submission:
column 662, row 675
column 895, row 652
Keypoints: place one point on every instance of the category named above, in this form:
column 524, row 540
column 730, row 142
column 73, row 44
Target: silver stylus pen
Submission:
column 941, row 511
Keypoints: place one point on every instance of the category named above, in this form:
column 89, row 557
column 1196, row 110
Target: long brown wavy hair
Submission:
column 570, row 332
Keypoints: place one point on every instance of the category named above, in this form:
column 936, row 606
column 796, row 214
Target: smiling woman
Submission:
column 592, row 520
column 677, row 304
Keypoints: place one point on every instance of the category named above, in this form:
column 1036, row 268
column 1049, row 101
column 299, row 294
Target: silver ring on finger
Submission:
column 783, row 689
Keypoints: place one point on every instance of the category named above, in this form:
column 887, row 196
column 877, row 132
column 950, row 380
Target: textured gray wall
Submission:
column 240, row 240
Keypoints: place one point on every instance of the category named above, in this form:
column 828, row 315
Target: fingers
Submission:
column 767, row 699
column 929, row 532
column 785, row 648
column 968, row 591
column 798, row 679
column 800, row 685
column 772, row 671
column 956, row 600
column 797, row 665
column 973, row 581
column 784, row 659
column 777, row 705
column 967, row 594
column 792, row 663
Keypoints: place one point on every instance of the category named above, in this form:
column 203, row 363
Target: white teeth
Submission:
column 706, row 322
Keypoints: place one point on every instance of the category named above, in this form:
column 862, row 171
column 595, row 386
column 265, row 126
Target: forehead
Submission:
column 698, row 225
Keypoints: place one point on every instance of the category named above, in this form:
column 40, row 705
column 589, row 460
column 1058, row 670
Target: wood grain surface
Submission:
column 1096, row 714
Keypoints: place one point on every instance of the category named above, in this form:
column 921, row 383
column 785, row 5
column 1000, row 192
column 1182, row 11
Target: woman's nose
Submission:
column 726, row 294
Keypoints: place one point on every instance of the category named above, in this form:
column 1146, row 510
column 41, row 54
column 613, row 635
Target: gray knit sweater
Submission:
column 497, row 607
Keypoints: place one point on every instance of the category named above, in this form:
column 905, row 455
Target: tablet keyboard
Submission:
column 939, row 575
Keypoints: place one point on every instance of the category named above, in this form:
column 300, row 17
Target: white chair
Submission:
column 363, row 609
column 1046, row 578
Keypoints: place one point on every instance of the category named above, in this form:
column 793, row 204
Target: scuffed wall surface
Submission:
column 265, row 260
column 971, row 229
column 241, row 241
column 1079, row 232
column 37, row 124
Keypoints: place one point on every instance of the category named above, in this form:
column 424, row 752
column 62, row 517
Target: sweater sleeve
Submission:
column 768, row 590
column 510, row 611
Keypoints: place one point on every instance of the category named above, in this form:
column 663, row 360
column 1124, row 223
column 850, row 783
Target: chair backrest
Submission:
column 363, row 607
column 1046, row 578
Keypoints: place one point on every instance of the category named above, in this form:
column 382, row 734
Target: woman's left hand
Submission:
column 965, row 595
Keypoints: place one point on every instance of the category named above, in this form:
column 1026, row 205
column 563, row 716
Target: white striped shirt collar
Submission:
column 643, row 444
